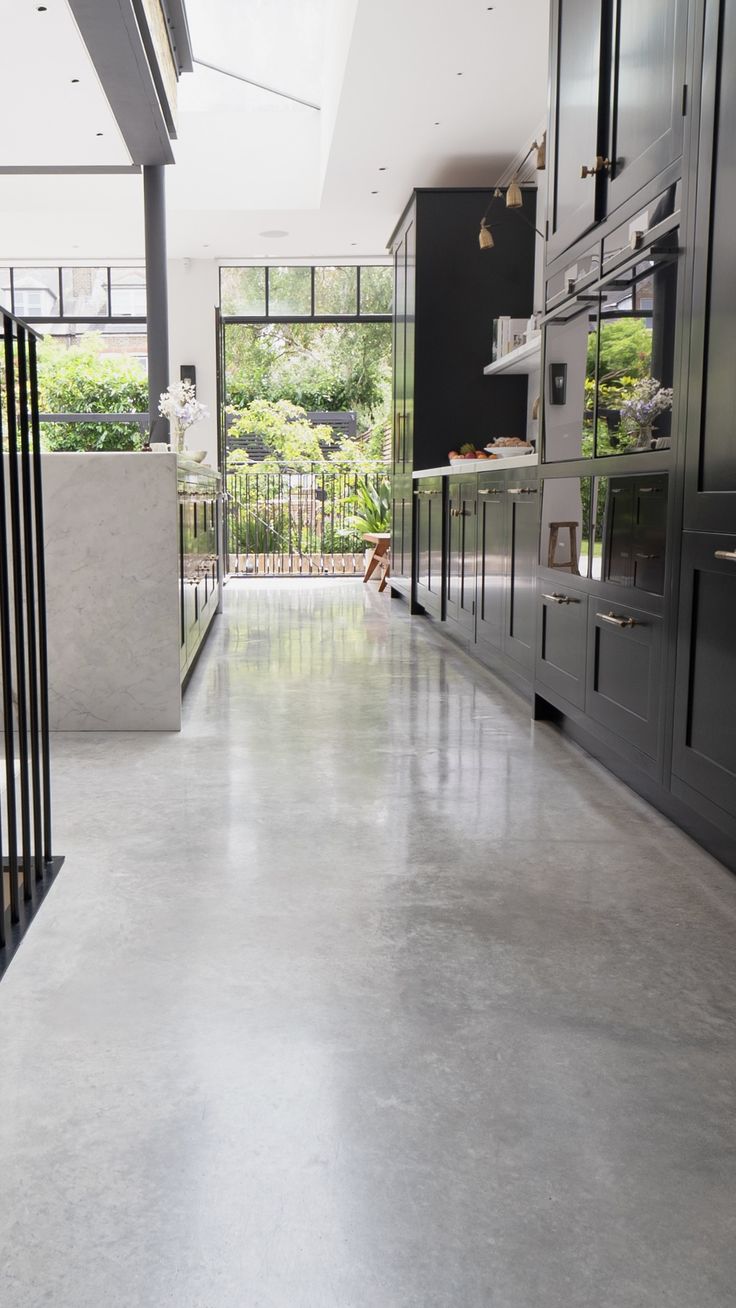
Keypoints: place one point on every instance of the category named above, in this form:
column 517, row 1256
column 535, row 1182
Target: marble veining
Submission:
column 112, row 591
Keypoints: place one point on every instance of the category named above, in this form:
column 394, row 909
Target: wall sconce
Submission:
column 514, row 195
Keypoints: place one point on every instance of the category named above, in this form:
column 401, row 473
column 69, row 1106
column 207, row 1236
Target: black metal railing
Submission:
column 303, row 521
column 26, row 853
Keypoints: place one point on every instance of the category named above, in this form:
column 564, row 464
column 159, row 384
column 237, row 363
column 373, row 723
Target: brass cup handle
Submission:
column 729, row 555
column 617, row 621
column 489, row 491
column 522, row 490
column 601, row 165
column 556, row 598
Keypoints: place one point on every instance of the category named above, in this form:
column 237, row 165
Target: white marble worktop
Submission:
column 480, row 465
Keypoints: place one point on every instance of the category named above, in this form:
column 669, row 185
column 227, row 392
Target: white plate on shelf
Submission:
column 509, row 451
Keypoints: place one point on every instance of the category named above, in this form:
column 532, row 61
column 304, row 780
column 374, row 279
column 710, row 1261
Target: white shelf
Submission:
column 525, row 358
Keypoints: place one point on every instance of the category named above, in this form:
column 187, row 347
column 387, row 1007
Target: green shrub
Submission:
column 79, row 379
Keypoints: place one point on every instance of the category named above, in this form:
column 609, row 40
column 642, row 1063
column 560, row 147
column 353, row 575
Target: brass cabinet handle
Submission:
column 617, row 621
column 729, row 555
column 522, row 490
column 556, row 598
column 490, row 491
column 652, row 556
column 601, row 165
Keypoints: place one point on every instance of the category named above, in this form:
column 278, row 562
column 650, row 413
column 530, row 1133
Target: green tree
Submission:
column 293, row 440
column 333, row 366
column 80, row 379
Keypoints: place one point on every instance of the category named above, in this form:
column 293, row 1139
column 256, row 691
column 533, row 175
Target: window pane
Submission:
column 128, row 292
column 335, row 290
column 5, row 288
column 290, row 292
column 84, row 292
column 243, row 292
column 36, row 292
column 376, row 288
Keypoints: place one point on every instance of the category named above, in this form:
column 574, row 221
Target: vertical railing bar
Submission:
column 43, row 657
column 31, row 611
column 7, row 659
column 18, row 618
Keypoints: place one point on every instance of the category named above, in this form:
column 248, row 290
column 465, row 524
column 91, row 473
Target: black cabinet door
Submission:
column 575, row 125
column 399, row 362
column 704, row 753
column 428, row 515
column 710, row 493
column 491, row 580
column 646, row 93
column 522, row 543
column 401, row 529
column 624, row 673
column 562, row 619
column 461, row 549
column 410, row 244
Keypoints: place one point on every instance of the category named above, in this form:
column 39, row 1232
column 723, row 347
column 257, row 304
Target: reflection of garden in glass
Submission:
column 632, row 359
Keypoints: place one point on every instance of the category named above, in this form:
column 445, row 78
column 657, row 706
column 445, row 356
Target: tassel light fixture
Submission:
column 485, row 237
column 514, row 198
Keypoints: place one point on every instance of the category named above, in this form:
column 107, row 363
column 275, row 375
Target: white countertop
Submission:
column 480, row 465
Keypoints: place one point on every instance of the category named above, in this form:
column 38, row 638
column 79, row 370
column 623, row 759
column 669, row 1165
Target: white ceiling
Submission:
column 53, row 120
column 436, row 92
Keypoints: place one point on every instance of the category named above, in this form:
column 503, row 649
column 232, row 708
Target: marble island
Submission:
column 133, row 583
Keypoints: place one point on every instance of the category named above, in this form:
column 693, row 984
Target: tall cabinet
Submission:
column 704, row 747
column 446, row 298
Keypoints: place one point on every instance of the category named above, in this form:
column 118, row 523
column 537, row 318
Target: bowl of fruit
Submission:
column 507, row 446
column 467, row 452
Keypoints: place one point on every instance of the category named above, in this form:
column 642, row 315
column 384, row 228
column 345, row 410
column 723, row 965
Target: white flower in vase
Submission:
column 182, row 408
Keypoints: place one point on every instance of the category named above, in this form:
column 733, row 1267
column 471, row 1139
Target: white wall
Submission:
column 193, row 294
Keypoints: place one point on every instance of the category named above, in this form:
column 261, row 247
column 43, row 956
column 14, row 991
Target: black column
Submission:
column 154, row 200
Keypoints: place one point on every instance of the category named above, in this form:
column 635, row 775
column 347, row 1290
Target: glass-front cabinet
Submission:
column 606, row 529
column 609, row 362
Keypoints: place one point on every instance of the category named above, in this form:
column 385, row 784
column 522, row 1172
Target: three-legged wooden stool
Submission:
column 568, row 565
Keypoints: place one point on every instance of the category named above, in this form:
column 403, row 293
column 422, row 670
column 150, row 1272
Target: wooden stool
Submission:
column 380, row 540
column 571, row 564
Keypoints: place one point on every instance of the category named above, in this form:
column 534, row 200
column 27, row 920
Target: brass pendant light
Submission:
column 485, row 236
column 514, row 198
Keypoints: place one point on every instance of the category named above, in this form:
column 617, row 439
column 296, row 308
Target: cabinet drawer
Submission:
column 704, row 754
column 623, row 690
column 561, row 641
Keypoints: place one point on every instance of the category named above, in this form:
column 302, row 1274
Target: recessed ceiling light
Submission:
column 42, row 8
column 75, row 81
column 374, row 192
column 275, row 234
column 459, row 74
column 383, row 169
column 436, row 124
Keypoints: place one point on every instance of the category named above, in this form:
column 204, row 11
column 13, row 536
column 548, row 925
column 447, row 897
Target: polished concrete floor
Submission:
column 364, row 992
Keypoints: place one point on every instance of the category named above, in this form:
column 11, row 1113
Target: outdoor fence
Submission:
column 303, row 522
